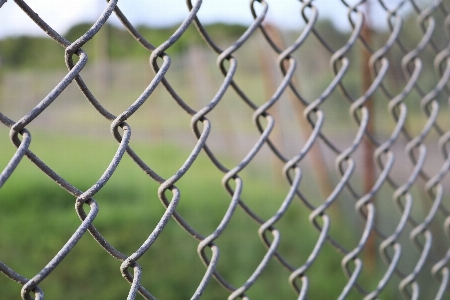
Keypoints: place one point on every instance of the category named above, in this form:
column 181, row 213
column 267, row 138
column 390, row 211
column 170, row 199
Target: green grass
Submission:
column 37, row 217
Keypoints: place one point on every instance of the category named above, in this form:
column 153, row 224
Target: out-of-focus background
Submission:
column 37, row 217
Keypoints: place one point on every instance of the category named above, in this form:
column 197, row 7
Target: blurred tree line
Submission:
column 113, row 43
column 24, row 52
column 39, row 52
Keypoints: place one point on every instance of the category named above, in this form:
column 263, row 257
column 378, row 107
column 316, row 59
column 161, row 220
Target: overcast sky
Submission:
column 62, row 14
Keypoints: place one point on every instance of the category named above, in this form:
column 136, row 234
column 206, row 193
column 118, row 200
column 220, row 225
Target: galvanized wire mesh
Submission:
column 412, row 161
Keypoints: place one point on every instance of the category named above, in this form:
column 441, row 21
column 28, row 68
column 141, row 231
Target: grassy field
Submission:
column 37, row 217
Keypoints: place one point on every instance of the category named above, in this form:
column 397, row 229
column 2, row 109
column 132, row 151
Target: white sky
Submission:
column 62, row 14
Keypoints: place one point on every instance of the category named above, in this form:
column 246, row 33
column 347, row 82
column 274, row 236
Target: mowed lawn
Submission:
column 37, row 217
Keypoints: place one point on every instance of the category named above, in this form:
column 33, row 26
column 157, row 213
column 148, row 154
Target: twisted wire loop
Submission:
column 398, row 100
column 408, row 285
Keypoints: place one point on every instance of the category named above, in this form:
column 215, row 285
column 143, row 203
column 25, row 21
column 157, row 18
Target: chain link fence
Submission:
column 391, row 174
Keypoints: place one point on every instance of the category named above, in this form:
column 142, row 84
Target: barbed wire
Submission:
column 397, row 102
